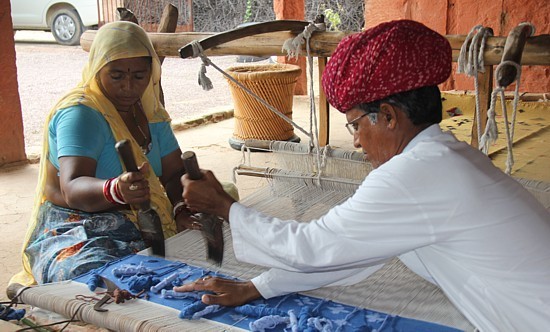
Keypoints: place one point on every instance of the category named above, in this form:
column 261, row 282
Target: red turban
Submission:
column 392, row 57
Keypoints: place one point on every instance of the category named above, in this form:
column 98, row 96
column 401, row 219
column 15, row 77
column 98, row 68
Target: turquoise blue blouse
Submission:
column 82, row 131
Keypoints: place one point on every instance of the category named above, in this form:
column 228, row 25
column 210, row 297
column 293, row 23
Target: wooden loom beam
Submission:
column 531, row 51
column 536, row 51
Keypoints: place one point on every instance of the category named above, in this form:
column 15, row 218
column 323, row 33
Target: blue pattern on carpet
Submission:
column 342, row 317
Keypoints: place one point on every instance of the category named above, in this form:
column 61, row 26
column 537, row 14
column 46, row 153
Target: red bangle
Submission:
column 107, row 191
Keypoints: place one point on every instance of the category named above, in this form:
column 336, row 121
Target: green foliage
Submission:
column 248, row 11
column 333, row 18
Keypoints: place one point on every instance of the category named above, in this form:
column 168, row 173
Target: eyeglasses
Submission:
column 352, row 126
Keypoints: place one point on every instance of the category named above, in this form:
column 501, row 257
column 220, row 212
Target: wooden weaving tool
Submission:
column 149, row 222
column 211, row 226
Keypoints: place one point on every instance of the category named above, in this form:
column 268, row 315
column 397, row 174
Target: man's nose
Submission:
column 356, row 143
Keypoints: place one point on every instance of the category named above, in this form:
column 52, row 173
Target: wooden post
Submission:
column 168, row 23
column 293, row 10
column 324, row 107
column 11, row 127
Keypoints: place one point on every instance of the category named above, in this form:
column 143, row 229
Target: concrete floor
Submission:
column 209, row 142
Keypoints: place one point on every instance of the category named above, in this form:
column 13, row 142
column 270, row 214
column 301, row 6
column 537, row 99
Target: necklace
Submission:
column 145, row 148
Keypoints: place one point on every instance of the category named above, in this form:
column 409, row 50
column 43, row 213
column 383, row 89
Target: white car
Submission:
column 66, row 19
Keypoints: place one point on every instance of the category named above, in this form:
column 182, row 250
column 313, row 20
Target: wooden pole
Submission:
column 513, row 51
column 536, row 51
column 324, row 107
column 168, row 23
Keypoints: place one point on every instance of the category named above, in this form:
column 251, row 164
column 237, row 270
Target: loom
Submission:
column 307, row 182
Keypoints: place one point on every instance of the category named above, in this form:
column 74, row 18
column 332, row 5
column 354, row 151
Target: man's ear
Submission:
column 389, row 113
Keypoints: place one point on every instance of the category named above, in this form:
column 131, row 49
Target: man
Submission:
column 436, row 203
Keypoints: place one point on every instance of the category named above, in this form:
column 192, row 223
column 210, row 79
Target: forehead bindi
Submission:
column 129, row 65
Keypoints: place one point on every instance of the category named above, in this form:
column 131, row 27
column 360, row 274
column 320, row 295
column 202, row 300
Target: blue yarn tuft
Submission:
column 8, row 313
column 137, row 283
column 258, row 310
column 164, row 283
column 293, row 320
column 267, row 322
column 319, row 324
column 188, row 310
column 128, row 270
column 180, row 279
column 170, row 294
column 208, row 310
column 305, row 314
column 94, row 281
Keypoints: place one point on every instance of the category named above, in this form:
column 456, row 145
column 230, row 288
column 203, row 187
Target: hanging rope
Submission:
column 470, row 62
column 204, row 81
column 491, row 131
column 293, row 47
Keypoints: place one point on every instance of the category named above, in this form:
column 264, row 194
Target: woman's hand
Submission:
column 186, row 220
column 133, row 186
column 226, row 292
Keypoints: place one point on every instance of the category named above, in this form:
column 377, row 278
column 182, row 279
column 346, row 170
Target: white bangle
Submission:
column 176, row 207
column 114, row 193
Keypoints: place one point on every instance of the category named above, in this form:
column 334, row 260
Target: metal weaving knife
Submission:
column 149, row 222
column 211, row 226
column 111, row 287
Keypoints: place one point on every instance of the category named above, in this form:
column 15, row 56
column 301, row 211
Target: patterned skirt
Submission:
column 67, row 243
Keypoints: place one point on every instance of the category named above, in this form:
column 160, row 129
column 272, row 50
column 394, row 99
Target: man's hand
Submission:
column 206, row 195
column 226, row 292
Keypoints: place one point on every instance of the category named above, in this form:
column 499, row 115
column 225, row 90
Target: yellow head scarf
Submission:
column 114, row 41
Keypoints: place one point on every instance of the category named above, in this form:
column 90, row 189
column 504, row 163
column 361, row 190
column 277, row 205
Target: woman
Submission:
column 82, row 217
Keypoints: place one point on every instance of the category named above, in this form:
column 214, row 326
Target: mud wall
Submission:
column 12, row 147
column 458, row 17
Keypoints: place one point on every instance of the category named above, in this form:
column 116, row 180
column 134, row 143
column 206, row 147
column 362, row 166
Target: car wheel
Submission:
column 66, row 27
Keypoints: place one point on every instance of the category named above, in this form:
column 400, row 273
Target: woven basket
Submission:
column 275, row 84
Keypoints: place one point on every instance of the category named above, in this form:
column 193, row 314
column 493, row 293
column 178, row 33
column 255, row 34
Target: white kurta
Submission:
column 445, row 210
